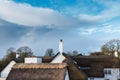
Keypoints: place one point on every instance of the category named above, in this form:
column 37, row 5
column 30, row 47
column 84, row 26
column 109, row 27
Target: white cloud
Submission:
column 27, row 39
column 25, row 14
column 105, row 28
column 110, row 29
column 89, row 18
column 88, row 31
column 111, row 9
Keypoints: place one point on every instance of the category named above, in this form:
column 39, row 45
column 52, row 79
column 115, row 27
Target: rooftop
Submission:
column 44, row 71
column 39, row 66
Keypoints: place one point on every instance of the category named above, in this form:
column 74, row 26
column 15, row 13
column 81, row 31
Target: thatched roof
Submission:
column 38, row 72
column 39, row 66
column 97, row 64
column 47, row 59
column 75, row 73
column 106, row 61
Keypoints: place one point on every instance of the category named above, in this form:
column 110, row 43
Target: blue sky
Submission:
column 84, row 25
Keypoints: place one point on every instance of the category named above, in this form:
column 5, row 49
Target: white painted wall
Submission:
column 95, row 78
column 58, row 59
column 7, row 69
column 114, row 74
column 61, row 47
column 33, row 60
column 116, row 54
column 67, row 76
column 2, row 78
column 17, row 55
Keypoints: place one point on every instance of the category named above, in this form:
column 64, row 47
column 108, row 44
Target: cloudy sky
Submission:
column 84, row 25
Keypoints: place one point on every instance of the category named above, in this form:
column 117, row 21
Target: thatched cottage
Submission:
column 33, row 71
column 65, row 67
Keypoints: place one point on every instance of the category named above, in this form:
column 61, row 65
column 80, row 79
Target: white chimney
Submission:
column 61, row 46
column 17, row 55
column 59, row 58
column 116, row 54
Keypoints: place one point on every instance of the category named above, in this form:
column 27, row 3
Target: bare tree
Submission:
column 11, row 50
column 11, row 55
column 111, row 46
column 24, row 51
column 72, row 53
column 96, row 53
column 49, row 53
column 75, row 53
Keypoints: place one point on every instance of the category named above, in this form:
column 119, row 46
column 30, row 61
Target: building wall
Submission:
column 58, row 59
column 2, row 78
column 33, row 60
column 114, row 74
column 110, row 74
column 6, row 70
column 39, row 60
column 67, row 76
column 95, row 78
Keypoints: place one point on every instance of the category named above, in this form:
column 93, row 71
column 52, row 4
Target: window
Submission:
column 91, row 78
column 107, row 71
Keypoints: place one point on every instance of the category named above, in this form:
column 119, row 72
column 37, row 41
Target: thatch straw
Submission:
column 42, row 65
column 38, row 72
column 97, row 64
column 75, row 73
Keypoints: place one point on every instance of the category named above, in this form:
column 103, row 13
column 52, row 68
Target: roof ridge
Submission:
column 41, row 65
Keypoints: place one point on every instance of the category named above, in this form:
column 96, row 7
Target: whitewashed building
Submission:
column 112, row 70
column 4, row 73
column 102, row 67
column 7, row 69
column 33, row 60
column 59, row 58
column 112, row 73
column 109, row 74
column 93, row 78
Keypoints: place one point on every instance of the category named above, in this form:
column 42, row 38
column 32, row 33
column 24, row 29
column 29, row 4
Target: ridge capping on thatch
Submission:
column 41, row 65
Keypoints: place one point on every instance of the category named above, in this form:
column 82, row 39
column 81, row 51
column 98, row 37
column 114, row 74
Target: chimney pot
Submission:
column 61, row 46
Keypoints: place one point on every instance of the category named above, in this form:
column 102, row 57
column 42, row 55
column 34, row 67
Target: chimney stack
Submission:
column 17, row 55
column 116, row 53
column 61, row 46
